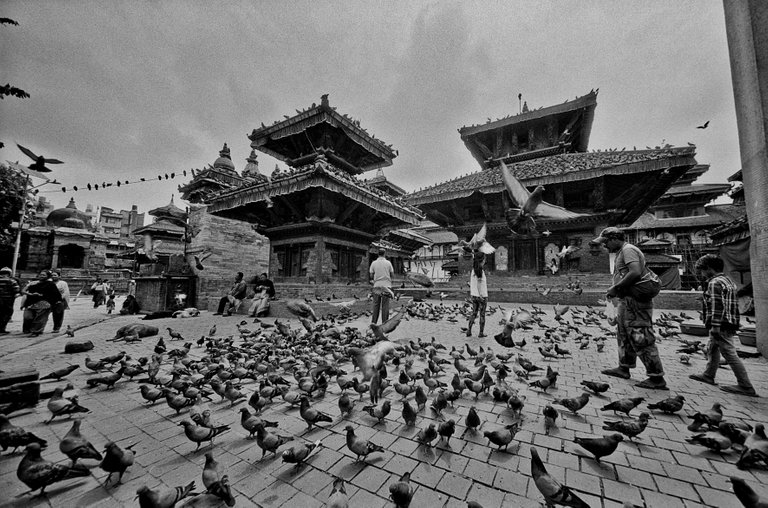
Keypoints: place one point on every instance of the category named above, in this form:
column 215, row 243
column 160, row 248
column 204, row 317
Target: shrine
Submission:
column 548, row 147
column 320, row 218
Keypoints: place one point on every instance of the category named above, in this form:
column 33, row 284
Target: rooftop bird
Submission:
column 37, row 473
column 553, row 491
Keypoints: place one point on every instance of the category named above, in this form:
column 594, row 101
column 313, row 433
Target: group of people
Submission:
column 263, row 293
column 47, row 296
column 634, row 288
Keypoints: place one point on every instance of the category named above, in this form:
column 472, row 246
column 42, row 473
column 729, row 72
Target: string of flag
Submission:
column 120, row 183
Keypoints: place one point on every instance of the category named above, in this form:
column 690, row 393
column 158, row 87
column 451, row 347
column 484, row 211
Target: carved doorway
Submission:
column 71, row 256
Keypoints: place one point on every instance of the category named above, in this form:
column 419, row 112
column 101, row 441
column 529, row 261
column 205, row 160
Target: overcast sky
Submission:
column 122, row 90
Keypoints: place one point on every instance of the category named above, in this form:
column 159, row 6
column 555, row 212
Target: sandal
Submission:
column 740, row 390
column 702, row 378
column 652, row 385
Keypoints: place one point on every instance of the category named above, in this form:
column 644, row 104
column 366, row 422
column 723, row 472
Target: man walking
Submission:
column 57, row 311
column 9, row 289
column 234, row 298
column 721, row 318
column 634, row 285
column 381, row 272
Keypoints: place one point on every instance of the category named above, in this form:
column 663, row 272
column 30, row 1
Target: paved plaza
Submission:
column 659, row 470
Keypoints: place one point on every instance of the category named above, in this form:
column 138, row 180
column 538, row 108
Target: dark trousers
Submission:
column 380, row 302
column 35, row 320
column 479, row 305
column 6, row 311
column 57, row 312
column 635, row 336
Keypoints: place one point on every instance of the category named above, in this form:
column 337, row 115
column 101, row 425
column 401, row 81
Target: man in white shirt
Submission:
column 58, row 310
column 381, row 272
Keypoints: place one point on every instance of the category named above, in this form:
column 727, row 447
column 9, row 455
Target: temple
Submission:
column 548, row 147
column 319, row 217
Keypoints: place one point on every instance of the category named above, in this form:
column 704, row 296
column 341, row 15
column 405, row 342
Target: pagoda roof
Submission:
column 737, row 229
column 715, row 189
column 161, row 226
column 692, row 174
column 442, row 236
column 169, row 210
column 715, row 216
column 321, row 130
column 736, row 177
column 472, row 135
column 560, row 168
column 322, row 174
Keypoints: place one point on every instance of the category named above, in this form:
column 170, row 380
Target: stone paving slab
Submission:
column 661, row 469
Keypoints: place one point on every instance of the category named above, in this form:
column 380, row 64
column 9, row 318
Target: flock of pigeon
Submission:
column 273, row 365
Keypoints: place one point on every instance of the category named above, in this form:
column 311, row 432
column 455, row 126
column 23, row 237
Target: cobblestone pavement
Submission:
column 661, row 469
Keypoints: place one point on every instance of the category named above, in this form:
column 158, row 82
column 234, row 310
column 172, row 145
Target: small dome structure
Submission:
column 224, row 161
column 61, row 217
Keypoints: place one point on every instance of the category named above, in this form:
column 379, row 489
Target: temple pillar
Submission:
column 747, row 35
column 515, row 146
column 559, row 195
column 531, row 139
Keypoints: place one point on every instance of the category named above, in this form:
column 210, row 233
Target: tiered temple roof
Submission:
column 209, row 181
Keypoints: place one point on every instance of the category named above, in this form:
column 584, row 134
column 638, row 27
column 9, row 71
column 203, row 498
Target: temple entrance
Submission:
column 71, row 256
column 346, row 261
column 524, row 255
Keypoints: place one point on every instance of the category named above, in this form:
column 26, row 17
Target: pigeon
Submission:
column 631, row 429
column 95, row 366
column 371, row 359
column 421, row 397
column 502, row 437
column 198, row 434
column 542, row 384
column 596, row 387
column 269, row 442
column 713, row 417
column 116, row 460
column 573, row 404
column 174, row 334
column 478, row 242
column 75, row 446
column 712, row 440
column 553, row 491
column 40, row 162
column 446, row 430
column 550, row 418
column 37, row 473
column 600, row 447
column 427, row 435
column 151, row 394
column 338, row 497
column 161, row 497
column 748, row 497
column 419, row 279
column 299, row 453
column 107, row 380
column 702, row 126
column 310, row 415
column 251, row 422
column 755, row 448
column 472, row 420
column 12, row 436
column 345, row 405
column 409, row 414
column 624, row 405
column 530, row 205
column 59, row 406
column 301, row 309
column 360, row 447
column 70, row 331
column 389, row 325
column 58, row 374
column 669, row 405
column 378, row 412
column 513, row 321
column 401, row 491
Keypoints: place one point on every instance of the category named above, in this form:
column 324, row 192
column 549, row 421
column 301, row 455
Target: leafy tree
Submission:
column 11, row 201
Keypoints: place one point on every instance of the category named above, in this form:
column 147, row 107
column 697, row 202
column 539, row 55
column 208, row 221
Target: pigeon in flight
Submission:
column 40, row 161
column 530, row 206
column 703, row 126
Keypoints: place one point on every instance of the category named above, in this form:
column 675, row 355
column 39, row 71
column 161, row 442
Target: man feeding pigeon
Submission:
column 635, row 285
column 721, row 318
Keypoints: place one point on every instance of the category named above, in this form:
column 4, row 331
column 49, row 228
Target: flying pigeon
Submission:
column 40, row 161
column 530, row 205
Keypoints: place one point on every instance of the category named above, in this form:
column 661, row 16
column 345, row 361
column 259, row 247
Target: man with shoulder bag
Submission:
column 635, row 286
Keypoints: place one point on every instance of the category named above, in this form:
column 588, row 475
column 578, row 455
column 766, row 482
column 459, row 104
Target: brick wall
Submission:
column 234, row 247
